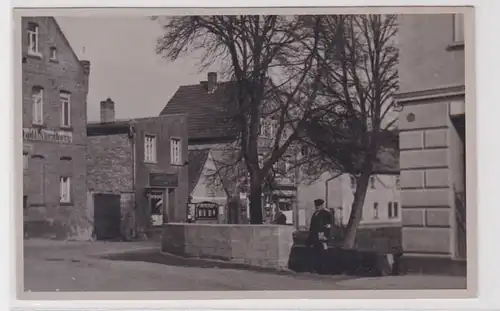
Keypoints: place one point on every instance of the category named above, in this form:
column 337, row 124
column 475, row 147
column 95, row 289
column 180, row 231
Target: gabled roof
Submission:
column 208, row 113
column 196, row 159
column 63, row 36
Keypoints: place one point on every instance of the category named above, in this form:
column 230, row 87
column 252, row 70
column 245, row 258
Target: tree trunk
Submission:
column 356, row 210
column 255, row 203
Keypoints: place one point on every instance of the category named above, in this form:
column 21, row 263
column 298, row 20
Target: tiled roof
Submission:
column 197, row 159
column 207, row 112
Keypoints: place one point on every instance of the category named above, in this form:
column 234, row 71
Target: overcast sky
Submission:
column 124, row 65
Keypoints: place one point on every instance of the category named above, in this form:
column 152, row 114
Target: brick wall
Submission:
column 48, row 161
column 263, row 246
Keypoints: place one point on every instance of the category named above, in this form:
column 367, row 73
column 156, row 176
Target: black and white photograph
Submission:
column 226, row 151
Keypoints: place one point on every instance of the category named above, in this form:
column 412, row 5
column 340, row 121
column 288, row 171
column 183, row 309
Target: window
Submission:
column 372, row 182
column 389, row 210
column 261, row 160
column 393, row 210
column 53, row 53
column 288, row 164
column 458, row 27
column 150, row 148
column 65, row 99
column 175, row 151
column 353, row 182
column 25, row 161
column 37, row 96
column 268, row 127
column 65, row 190
column 375, row 210
column 33, row 38
column 304, row 151
column 398, row 182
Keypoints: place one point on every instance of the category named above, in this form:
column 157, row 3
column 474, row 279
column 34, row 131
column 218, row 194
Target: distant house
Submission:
column 137, row 175
column 211, row 135
column 54, row 112
column 382, row 206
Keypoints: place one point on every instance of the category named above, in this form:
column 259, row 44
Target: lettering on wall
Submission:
column 163, row 180
column 55, row 136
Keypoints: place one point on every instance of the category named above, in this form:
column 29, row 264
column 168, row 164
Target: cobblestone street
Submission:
column 74, row 266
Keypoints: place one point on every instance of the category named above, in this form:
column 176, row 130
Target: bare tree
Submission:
column 270, row 59
column 353, row 122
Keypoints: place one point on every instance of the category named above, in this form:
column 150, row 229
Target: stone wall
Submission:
column 429, row 175
column 264, row 245
column 110, row 163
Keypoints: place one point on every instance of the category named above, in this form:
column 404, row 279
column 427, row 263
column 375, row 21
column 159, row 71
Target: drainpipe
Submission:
column 134, row 175
column 326, row 187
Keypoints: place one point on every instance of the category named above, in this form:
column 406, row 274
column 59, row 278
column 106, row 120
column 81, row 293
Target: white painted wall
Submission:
column 341, row 196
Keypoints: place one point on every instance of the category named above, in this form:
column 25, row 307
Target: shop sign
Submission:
column 163, row 180
column 207, row 211
column 54, row 136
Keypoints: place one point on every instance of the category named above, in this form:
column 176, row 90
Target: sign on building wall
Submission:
column 47, row 135
column 163, row 180
column 207, row 211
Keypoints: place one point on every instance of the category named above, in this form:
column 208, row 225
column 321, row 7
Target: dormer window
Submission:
column 53, row 53
column 33, row 39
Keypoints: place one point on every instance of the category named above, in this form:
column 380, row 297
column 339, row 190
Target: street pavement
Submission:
column 79, row 266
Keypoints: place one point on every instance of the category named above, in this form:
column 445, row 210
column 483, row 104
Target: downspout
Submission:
column 134, row 172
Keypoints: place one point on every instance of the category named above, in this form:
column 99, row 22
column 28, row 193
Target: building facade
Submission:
column 137, row 173
column 382, row 206
column 54, row 87
column 432, row 141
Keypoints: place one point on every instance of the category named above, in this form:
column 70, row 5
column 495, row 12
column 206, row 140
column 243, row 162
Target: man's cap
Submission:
column 318, row 202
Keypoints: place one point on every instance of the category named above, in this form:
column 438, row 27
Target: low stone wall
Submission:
column 266, row 246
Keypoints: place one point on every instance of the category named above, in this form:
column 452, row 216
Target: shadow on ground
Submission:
column 157, row 257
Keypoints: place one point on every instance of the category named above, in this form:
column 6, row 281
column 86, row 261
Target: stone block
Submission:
column 412, row 217
column 427, row 240
column 412, row 179
column 411, row 140
column 437, row 178
column 425, row 115
column 436, row 138
column 425, row 197
column 431, row 158
column 438, row 217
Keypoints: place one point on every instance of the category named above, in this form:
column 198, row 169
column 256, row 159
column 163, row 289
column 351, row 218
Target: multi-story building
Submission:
column 54, row 87
column 137, row 173
column 211, row 145
column 432, row 141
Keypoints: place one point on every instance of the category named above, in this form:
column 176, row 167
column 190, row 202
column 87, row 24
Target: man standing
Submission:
column 319, row 233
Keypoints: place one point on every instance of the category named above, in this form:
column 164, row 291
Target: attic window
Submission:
column 33, row 39
column 53, row 53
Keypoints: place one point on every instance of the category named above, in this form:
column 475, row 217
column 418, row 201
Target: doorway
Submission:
column 107, row 216
column 156, row 208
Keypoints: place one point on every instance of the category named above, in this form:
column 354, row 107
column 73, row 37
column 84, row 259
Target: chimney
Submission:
column 107, row 111
column 86, row 67
column 212, row 82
